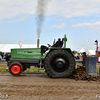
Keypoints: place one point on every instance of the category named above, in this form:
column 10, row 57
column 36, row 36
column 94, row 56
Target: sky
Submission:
column 78, row 19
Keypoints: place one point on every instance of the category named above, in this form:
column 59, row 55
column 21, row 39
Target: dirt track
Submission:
column 40, row 87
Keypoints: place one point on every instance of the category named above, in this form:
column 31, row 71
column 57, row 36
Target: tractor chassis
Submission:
column 30, row 62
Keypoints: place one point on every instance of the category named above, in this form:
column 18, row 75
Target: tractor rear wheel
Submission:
column 15, row 68
column 59, row 64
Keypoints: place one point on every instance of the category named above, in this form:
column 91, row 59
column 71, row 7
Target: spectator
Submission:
column 2, row 55
column 0, row 58
column 8, row 56
column 77, row 57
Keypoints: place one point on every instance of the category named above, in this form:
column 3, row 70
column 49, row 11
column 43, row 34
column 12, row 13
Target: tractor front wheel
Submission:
column 15, row 68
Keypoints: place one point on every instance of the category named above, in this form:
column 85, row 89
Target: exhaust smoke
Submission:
column 41, row 9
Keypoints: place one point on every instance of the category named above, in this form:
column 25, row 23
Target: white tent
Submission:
column 8, row 47
column 92, row 52
column 82, row 50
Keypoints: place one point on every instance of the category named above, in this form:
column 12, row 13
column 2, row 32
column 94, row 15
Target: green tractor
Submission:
column 58, row 62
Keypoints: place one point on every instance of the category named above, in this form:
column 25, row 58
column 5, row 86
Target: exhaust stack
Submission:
column 37, row 43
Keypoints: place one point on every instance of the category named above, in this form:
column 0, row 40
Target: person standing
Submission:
column 0, row 58
column 8, row 57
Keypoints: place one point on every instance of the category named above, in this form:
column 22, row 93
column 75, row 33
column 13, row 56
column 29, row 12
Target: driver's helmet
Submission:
column 59, row 39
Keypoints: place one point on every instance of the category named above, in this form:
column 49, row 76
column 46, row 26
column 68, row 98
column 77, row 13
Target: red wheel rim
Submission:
column 15, row 69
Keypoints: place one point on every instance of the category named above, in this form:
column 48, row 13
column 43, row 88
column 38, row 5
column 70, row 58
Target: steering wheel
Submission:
column 49, row 45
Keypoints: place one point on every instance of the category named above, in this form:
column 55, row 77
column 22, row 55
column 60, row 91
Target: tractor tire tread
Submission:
column 53, row 74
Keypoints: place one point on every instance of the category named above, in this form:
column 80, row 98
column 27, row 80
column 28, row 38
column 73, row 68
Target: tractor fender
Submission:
column 66, row 49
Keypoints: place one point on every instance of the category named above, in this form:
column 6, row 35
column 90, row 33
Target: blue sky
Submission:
column 78, row 19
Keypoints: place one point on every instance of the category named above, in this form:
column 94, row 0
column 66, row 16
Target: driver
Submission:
column 59, row 43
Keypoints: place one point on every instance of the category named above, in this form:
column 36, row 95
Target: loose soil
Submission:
column 38, row 86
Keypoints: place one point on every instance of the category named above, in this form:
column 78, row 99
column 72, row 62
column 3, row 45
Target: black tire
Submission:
column 59, row 64
column 15, row 68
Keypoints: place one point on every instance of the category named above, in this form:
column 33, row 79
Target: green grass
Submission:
column 2, row 69
column 81, row 63
column 98, row 63
column 27, row 70
column 34, row 69
column 97, row 70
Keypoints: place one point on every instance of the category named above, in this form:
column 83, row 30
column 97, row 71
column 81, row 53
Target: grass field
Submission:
column 27, row 70
column 3, row 69
column 97, row 70
column 33, row 70
column 98, row 63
